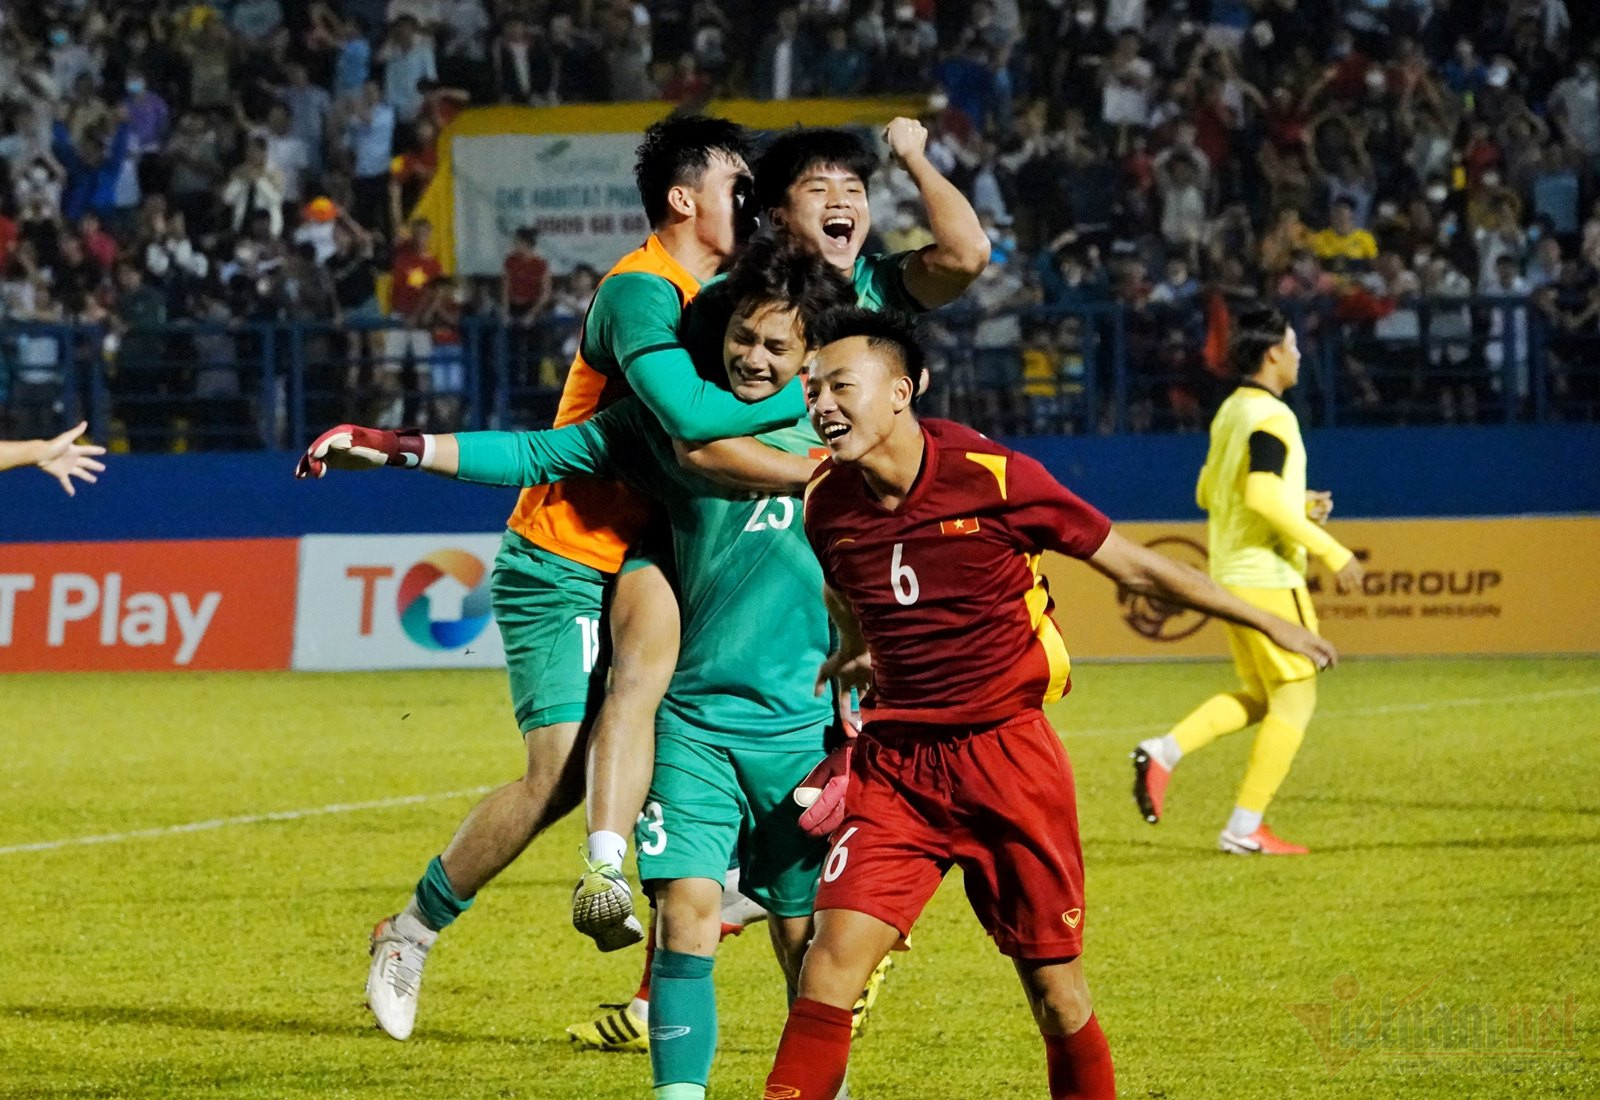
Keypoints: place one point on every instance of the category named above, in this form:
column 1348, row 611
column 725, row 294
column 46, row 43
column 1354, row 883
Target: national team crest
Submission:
column 968, row 526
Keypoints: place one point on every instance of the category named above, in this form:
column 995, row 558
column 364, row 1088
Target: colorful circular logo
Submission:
column 444, row 600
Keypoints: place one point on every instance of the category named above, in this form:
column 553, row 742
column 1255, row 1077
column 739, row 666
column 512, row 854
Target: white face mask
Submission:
column 1438, row 193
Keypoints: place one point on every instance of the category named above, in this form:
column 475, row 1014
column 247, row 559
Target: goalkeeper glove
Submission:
column 352, row 447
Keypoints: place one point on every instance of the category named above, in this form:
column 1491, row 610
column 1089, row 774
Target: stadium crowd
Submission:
column 1372, row 163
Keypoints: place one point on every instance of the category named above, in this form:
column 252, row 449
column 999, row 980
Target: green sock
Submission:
column 683, row 1024
column 681, row 1091
column 436, row 898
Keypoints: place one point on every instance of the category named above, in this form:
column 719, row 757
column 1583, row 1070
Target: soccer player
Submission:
column 811, row 185
column 736, row 734
column 62, row 458
column 566, row 541
column 929, row 536
column 1262, row 525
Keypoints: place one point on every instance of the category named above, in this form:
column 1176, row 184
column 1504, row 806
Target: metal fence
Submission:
column 1103, row 368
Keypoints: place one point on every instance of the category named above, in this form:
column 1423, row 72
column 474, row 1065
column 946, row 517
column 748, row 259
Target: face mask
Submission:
column 905, row 13
column 1534, row 233
column 38, row 173
column 1438, row 193
column 1084, row 18
column 135, row 87
column 1375, row 80
column 1499, row 76
column 58, row 37
column 1491, row 179
column 1262, row 33
column 1341, row 50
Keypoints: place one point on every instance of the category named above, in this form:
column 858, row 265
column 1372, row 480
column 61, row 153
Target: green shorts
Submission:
column 708, row 803
column 551, row 617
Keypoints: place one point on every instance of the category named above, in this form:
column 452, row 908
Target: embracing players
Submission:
column 929, row 537
column 1262, row 523
column 566, row 541
column 739, row 728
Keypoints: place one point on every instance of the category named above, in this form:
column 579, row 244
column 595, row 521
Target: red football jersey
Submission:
column 947, row 586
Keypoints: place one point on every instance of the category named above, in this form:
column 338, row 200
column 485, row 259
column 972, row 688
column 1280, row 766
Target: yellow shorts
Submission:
column 1255, row 655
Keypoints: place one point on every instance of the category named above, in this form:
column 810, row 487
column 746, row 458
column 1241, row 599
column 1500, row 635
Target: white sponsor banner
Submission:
column 396, row 601
column 576, row 189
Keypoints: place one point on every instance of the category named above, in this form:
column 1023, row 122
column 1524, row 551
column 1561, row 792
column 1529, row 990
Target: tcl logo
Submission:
column 109, row 616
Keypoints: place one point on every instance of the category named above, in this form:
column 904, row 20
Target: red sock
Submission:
column 1080, row 1064
column 649, row 960
column 813, row 1053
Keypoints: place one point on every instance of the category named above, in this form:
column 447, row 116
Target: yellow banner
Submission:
column 1433, row 587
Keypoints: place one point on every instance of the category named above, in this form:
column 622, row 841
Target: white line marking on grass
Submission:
column 418, row 799
column 243, row 819
column 1368, row 712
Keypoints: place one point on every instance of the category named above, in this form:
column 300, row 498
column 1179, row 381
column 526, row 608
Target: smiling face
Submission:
column 859, row 397
column 763, row 348
column 826, row 211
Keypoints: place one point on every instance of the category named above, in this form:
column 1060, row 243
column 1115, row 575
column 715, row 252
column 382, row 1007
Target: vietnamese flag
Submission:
column 958, row 526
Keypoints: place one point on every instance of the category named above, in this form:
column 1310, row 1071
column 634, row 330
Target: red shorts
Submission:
column 999, row 803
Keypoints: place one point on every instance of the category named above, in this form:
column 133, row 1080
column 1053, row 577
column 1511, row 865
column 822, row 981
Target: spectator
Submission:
column 369, row 140
column 194, row 158
column 254, row 187
column 287, row 154
column 1507, row 347
column 407, row 57
column 842, row 68
column 38, row 377
column 1183, row 204
column 581, row 73
column 523, row 73
column 413, row 270
column 308, row 105
column 783, row 62
column 1126, row 83
column 1344, row 247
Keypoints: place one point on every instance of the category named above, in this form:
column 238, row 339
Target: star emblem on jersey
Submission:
column 1072, row 917
column 968, row 526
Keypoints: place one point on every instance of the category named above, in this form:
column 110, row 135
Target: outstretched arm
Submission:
column 60, row 457
column 487, row 458
column 960, row 250
column 1149, row 573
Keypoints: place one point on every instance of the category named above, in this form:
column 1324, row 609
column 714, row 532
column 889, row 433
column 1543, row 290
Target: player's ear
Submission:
column 901, row 391
column 681, row 201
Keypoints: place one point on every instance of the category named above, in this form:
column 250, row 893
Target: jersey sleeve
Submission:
column 881, row 284
column 635, row 318
column 538, row 458
column 1048, row 515
column 1267, row 495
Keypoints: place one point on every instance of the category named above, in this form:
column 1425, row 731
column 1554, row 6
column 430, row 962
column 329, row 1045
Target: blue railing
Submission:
column 1096, row 369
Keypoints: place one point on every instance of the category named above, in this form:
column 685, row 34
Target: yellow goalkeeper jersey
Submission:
column 1245, row 550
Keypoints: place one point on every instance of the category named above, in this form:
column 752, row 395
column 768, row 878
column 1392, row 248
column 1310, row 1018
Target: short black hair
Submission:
column 1255, row 333
column 677, row 151
column 789, row 156
column 780, row 272
column 882, row 331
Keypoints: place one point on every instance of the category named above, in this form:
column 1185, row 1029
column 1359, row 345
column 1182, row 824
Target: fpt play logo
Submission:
column 443, row 600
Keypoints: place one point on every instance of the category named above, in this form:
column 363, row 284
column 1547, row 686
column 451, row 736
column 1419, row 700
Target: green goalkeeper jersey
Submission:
column 754, row 626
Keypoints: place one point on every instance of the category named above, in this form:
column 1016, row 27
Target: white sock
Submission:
column 607, row 847
column 411, row 925
column 1163, row 750
column 1243, row 822
column 640, row 1008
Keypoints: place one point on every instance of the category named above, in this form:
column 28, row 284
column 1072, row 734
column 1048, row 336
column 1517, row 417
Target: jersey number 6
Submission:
column 839, row 856
column 903, row 579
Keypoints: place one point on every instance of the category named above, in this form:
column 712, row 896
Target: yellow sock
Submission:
column 1290, row 707
column 1218, row 715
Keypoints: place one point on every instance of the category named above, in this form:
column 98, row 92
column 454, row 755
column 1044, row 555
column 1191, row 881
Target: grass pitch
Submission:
column 1440, row 942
